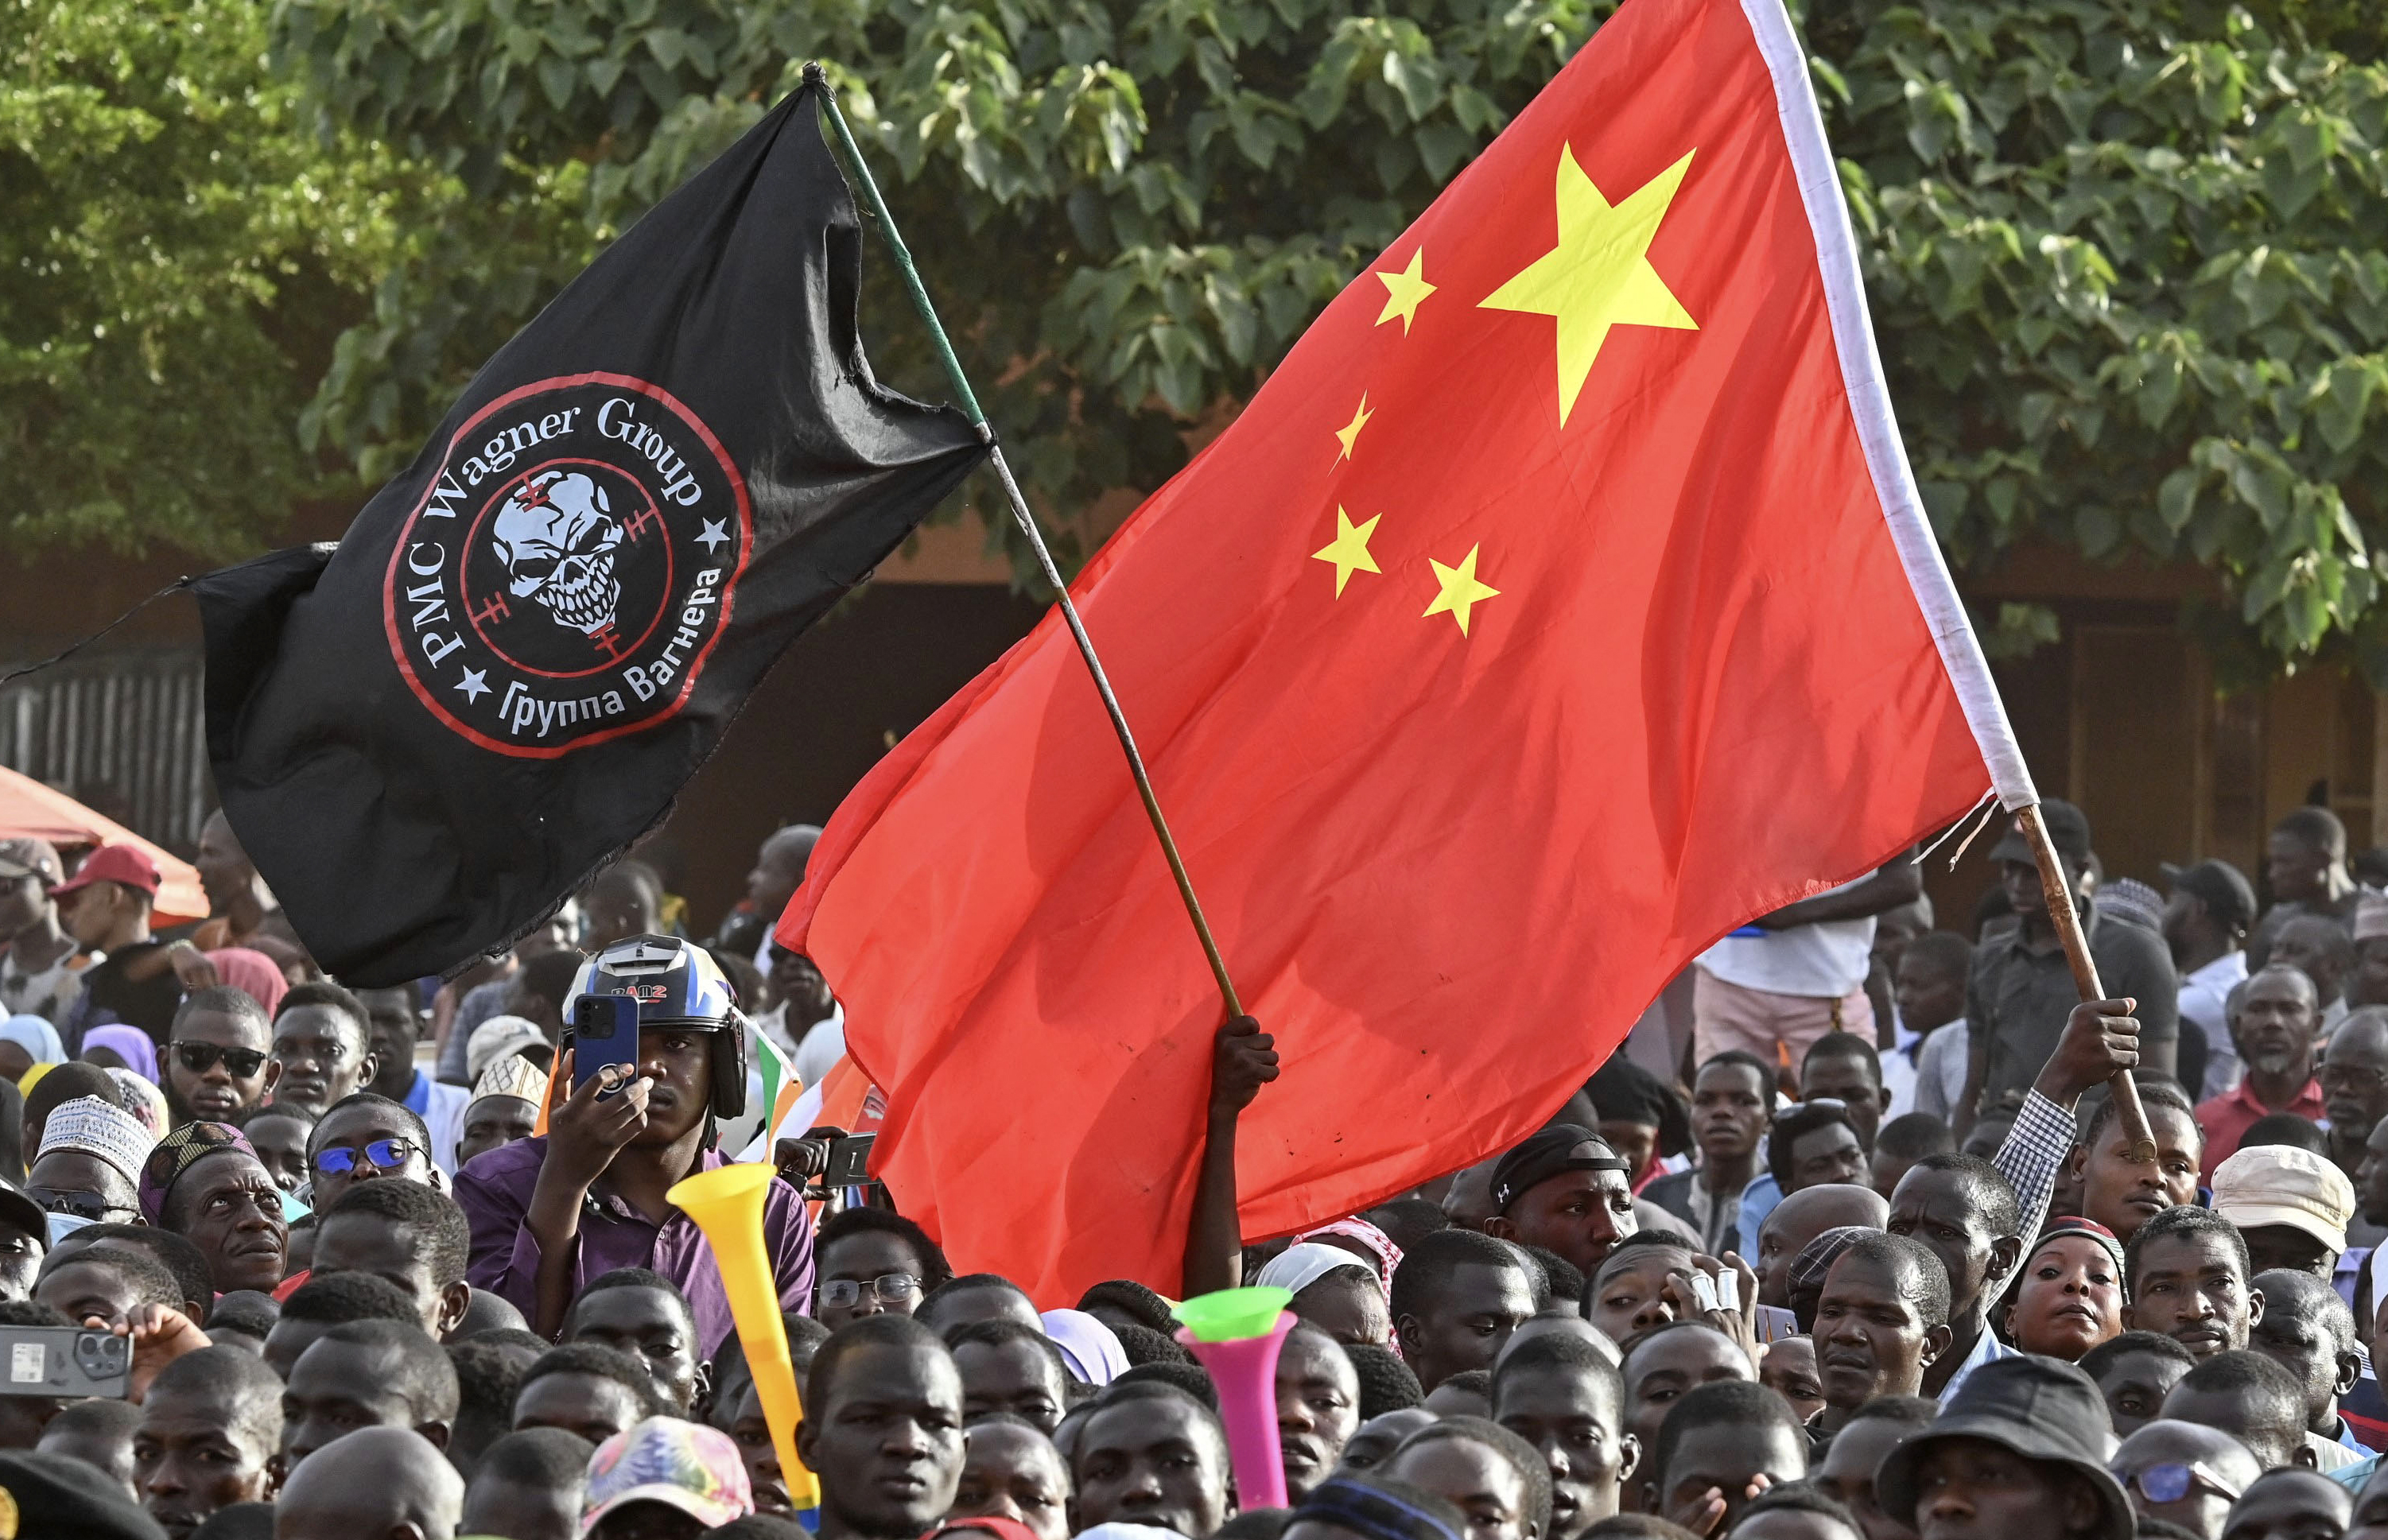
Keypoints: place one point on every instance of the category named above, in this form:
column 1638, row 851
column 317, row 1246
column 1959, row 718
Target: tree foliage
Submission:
column 1125, row 212
column 179, row 249
column 2124, row 256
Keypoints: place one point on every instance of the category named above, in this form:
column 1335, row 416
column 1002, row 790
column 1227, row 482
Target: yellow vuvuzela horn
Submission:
column 727, row 1203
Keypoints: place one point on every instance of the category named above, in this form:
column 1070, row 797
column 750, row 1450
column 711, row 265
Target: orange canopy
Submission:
column 30, row 809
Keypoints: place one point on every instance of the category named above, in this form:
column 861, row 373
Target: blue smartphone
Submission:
column 604, row 1031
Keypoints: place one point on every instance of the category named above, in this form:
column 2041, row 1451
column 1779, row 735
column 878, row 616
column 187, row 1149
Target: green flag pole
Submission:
column 1027, row 522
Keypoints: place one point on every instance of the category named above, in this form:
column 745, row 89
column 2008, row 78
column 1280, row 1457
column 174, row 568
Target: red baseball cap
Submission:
column 126, row 863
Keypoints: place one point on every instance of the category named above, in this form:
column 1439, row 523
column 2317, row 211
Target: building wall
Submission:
column 2122, row 716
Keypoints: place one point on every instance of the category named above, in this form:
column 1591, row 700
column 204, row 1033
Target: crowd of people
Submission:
column 1874, row 1259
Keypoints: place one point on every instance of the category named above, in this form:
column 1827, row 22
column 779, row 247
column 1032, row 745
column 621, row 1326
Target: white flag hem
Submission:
column 1894, row 480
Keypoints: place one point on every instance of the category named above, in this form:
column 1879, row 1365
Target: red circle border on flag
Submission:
column 695, row 669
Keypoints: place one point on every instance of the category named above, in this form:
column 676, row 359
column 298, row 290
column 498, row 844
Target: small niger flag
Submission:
column 1562, row 603
column 845, row 1099
column 781, row 1084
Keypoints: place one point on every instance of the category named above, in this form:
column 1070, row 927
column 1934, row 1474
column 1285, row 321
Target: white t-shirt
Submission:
column 2204, row 996
column 1822, row 962
column 1934, row 1080
column 824, row 1044
column 445, row 1118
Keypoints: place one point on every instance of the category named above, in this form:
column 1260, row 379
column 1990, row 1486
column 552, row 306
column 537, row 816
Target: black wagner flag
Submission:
column 526, row 644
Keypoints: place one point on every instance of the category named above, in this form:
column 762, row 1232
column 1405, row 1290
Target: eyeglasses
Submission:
column 889, row 1288
column 201, row 1057
column 387, row 1155
column 82, row 1205
column 2170, row 1482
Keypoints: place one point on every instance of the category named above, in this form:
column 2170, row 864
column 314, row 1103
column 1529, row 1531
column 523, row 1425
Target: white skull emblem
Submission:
column 557, row 538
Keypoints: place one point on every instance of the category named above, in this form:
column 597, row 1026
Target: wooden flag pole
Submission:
column 1027, row 522
column 2058, row 891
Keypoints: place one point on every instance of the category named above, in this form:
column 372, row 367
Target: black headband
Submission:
column 1544, row 1157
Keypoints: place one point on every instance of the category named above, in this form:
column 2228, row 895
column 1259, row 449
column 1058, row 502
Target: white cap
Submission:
column 2279, row 1184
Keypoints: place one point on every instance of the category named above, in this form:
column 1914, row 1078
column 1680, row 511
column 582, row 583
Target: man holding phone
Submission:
column 654, row 1054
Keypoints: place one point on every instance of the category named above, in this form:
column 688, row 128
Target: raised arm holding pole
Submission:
column 2058, row 891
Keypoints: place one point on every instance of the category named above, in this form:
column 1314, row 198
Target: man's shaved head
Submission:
column 2365, row 1030
column 1800, row 1219
column 371, row 1481
column 779, row 867
column 240, row 1382
column 1830, row 1205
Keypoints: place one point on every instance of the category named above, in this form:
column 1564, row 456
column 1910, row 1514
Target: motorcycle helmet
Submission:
column 676, row 983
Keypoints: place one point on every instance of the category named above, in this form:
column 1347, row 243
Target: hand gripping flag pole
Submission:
column 1027, row 522
column 2138, row 1136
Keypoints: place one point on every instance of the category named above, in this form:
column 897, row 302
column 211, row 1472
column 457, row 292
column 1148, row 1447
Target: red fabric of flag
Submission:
column 1560, row 604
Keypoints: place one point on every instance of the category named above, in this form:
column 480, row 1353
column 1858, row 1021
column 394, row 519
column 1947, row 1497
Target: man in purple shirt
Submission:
column 548, row 1214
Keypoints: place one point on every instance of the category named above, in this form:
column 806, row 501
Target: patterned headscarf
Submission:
column 1388, row 1254
column 92, row 1127
column 177, row 1152
column 1298, row 1266
column 2086, row 1230
column 142, row 1099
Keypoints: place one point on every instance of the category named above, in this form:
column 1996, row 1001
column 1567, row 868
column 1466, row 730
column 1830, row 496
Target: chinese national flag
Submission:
column 1562, row 603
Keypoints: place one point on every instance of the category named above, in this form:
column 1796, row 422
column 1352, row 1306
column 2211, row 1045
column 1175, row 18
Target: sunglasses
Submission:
column 201, row 1057
column 385, row 1154
column 82, row 1205
column 2170, row 1482
column 889, row 1288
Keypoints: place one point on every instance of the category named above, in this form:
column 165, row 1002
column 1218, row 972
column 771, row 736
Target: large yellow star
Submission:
column 1461, row 592
column 1349, row 433
column 1599, row 276
column 1350, row 549
column 1404, row 290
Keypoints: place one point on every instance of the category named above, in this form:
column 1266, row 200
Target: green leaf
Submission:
column 2098, row 529
column 557, row 79
column 2343, row 395
column 2264, row 484
column 1441, row 147
column 2176, row 498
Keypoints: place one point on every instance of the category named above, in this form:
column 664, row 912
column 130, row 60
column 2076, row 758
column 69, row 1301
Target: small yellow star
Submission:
column 1349, row 433
column 1404, row 290
column 1461, row 592
column 1349, row 551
